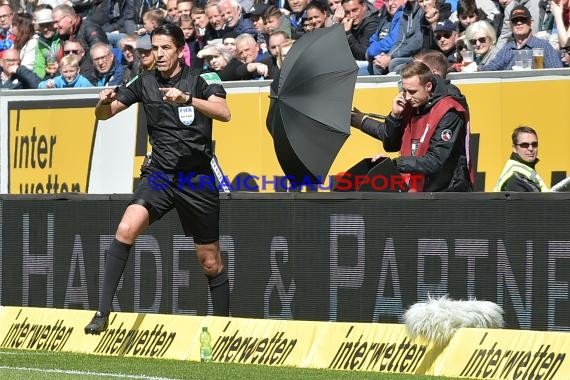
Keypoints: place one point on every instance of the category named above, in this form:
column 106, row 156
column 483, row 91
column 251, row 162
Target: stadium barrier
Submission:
column 345, row 257
column 50, row 141
column 384, row 348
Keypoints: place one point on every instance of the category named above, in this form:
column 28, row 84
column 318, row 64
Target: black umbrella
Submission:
column 309, row 113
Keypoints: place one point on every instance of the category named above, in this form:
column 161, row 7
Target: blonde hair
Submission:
column 69, row 60
column 156, row 15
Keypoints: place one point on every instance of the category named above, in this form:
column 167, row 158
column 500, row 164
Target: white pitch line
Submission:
column 88, row 373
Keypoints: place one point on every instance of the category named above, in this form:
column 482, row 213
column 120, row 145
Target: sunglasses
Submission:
column 521, row 20
column 68, row 52
column 481, row 40
column 526, row 145
column 445, row 35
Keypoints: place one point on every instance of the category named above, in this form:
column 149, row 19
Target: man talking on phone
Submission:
column 429, row 128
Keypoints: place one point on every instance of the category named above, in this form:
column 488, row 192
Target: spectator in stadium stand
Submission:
column 434, row 12
column 172, row 14
column 108, row 69
column 151, row 20
column 145, row 60
column 48, row 44
column 535, row 10
column 216, row 20
column 337, row 11
column 436, row 153
column 69, row 77
column 184, row 7
column 247, row 49
column 275, row 41
column 561, row 13
column 192, row 46
column 228, row 68
column 519, row 173
column 470, row 11
column 130, row 60
column 445, row 34
column 296, row 16
column 409, row 40
column 23, row 27
column 72, row 27
column 137, row 56
column 201, row 23
column 276, row 21
column 143, row 6
column 317, row 15
column 255, row 14
column 14, row 76
column 85, row 64
column 233, row 18
column 480, row 37
column 117, row 18
column 385, row 35
column 521, row 21
column 7, row 36
column 229, row 41
column 179, row 104
column 360, row 23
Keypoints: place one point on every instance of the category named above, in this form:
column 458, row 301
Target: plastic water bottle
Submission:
column 205, row 345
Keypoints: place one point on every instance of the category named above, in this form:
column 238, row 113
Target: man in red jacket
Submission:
column 429, row 128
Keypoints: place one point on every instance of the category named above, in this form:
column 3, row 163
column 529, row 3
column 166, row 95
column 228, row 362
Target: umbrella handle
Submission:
column 375, row 115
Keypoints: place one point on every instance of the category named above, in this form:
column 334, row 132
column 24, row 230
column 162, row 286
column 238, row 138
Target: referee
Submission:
column 179, row 104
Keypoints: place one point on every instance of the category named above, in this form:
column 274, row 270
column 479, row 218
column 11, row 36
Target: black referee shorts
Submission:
column 198, row 206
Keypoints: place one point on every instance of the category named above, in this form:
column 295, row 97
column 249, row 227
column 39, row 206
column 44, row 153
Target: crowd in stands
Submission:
column 81, row 43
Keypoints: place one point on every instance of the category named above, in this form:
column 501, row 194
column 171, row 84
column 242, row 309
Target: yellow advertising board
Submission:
column 129, row 334
column 370, row 347
column 48, row 154
column 506, row 354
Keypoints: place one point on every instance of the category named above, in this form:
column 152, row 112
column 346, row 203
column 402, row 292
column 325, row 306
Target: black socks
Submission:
column 115, row 263
column 220, row 292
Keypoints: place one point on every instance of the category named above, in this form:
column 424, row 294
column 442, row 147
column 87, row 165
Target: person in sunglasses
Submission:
column 445, row 34
column 519, row 173
column 481, row 38
column 74, row 47
column 523, row 39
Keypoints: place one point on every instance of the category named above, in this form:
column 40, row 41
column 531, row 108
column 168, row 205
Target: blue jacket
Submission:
column 79, row 81
column 114, row 77
column 385, row 35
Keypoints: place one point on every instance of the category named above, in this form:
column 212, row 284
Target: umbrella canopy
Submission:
column 309, row 113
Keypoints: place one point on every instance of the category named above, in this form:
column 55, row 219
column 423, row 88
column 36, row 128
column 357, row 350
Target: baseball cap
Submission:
column 520, row 11
column 445, row 26
column 143, row 42
column 43, row 16
column 256, row 10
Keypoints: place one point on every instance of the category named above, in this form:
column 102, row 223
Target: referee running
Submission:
column 179, row 104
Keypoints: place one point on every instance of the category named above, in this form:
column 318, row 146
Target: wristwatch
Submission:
column 189, row 101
